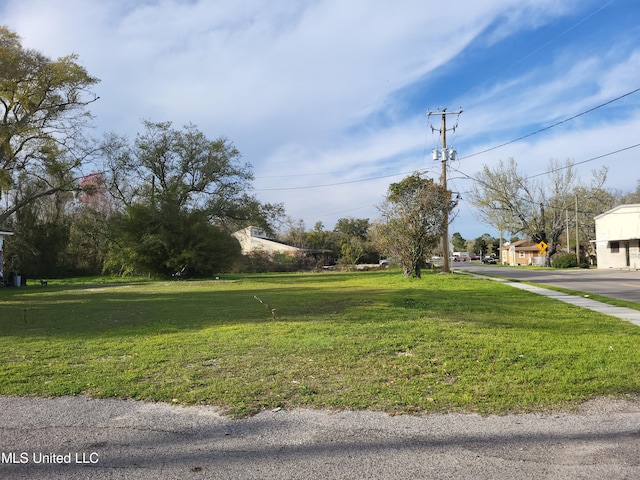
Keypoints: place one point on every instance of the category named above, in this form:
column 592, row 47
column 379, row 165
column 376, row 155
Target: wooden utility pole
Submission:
column 444, row 154
column 446, row 268
column 577, row 236
column 566, row 214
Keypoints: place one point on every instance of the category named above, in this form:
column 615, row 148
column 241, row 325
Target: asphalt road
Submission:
column 80, row 438
column 619, row 284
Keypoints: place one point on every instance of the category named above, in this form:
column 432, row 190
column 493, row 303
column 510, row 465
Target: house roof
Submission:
column 521, row 246
column 619, row 223
column 628, row 206
column 528, row 248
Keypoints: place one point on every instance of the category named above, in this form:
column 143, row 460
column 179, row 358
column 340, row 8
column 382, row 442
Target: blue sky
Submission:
column 327, row 99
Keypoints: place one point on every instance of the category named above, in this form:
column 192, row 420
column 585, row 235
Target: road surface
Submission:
column 80, row 438
column 619, row 284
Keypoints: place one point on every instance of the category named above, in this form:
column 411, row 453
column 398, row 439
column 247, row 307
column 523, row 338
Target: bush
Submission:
column 569, row 260
column 262, row 262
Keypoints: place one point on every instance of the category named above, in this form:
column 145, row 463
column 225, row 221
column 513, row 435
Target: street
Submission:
column 619, row 284
column 80, row 438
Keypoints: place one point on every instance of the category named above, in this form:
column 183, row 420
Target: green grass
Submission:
column 365, row 340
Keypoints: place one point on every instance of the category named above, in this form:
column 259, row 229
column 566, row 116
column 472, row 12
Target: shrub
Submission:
column 569, row 260
column 262, row 262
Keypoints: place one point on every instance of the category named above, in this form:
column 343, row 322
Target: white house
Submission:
column 618, row 237
column 254, row 239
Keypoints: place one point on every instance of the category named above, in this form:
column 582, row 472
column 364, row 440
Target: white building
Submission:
column 254, row 239
column 618, row 237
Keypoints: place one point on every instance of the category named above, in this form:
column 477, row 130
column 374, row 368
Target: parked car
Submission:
column 490, row 260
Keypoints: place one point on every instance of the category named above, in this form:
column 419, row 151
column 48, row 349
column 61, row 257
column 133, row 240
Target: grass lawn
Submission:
column 365, row 340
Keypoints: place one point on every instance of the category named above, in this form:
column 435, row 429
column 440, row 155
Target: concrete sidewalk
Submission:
column 628, row 314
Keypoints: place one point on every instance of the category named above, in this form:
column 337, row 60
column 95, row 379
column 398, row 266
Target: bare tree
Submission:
column 590, row 201
column 530, row 205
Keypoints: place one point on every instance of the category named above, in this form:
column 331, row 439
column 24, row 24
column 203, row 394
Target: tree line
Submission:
column 170, row 197
column 79, row 205
column 155, row 204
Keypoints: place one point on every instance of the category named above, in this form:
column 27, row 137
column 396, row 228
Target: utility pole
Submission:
column 577, row 237
column 445, row 155
column 566, row 214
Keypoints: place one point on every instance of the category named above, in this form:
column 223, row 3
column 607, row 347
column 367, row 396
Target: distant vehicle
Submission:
column 489, row 260
column 437, row 261
column 474, row 257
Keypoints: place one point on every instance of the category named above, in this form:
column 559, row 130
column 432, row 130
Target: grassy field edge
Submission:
column 361, row 340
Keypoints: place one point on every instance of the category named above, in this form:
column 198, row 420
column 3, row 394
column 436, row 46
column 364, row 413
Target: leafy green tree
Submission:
column 295, row 233
column 480, row 246
column 90, row 237
column 162, row 242
column 61, row 234
column 178, row 186
column 486, row 245
column 353, row 227
column 320, row 239
column 43, row 111
column 413, row 219
column 42, row 231
column 459, row 243
column 89, row 241
column 37, row 250
column 351, row 252
column 353, row 235
column 185, row 168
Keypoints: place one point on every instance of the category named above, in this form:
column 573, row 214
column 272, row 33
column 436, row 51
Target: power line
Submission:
column 334, row 184
column 342, row 211
column 487, row 185
column 552, row 126
column 530, row 134
column 564, row 167
column 455, row 169
column 473, row 154
column 585, row 161
column 314, row 174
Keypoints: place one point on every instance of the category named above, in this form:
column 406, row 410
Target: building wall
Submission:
column 520, row 253
column 619, row 254
column 520, row 257
column 618, row 237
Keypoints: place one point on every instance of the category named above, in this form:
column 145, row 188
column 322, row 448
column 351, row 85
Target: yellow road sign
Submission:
column 542, row 248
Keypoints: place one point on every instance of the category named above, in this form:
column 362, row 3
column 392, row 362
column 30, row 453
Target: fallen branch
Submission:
column 273, row 310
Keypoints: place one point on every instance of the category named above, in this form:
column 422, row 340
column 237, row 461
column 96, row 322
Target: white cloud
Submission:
column 296, row 84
